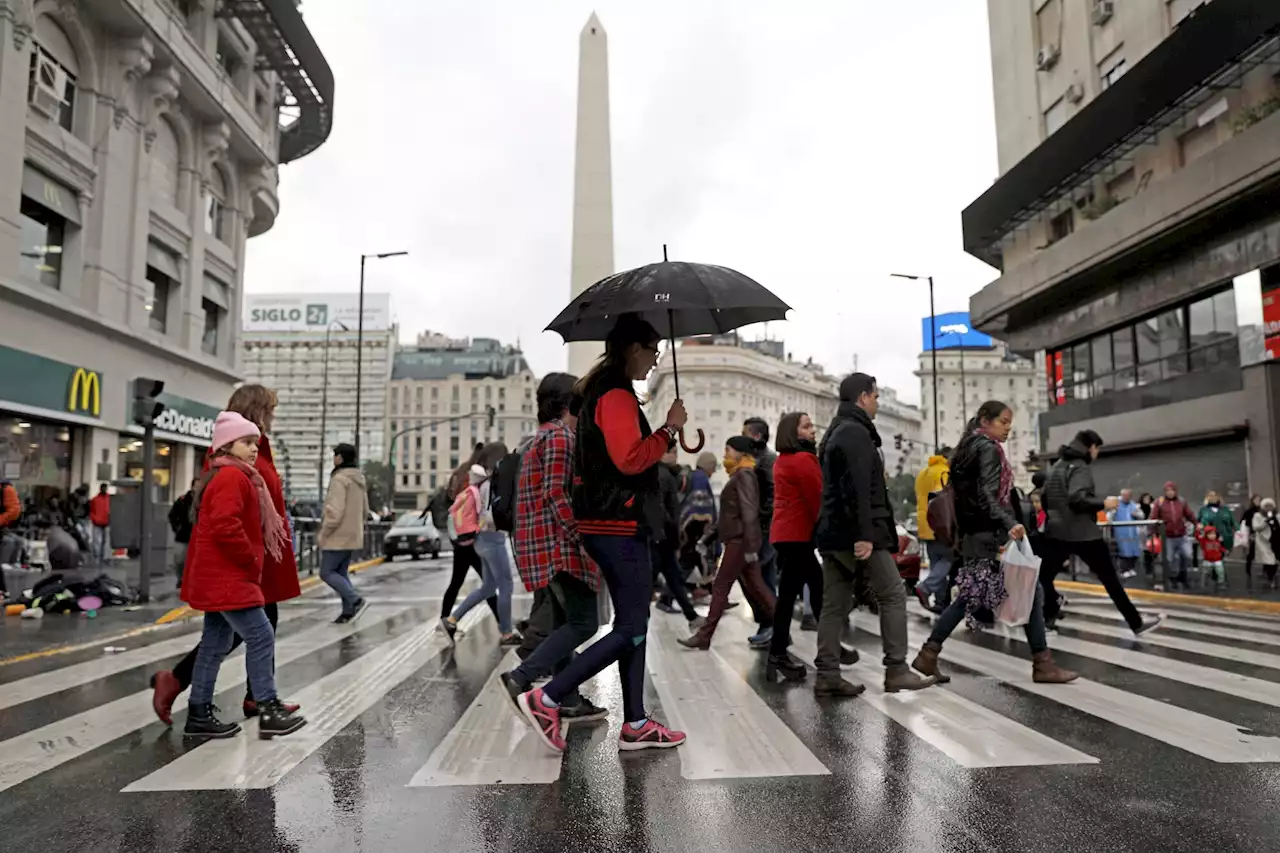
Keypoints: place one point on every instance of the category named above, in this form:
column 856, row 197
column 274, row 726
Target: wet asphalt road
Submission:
column 887, row 784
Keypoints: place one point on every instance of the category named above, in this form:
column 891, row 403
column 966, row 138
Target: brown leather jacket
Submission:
column 740, row 511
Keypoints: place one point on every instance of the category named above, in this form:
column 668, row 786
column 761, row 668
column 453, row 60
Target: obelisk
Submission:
column 592, row 181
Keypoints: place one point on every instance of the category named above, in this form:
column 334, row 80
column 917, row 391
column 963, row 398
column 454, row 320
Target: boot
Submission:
column 250, row 707
column 926, row 662
column 697, row 641
column 899, row 677
column 201, row 722
column 274, row 720
column 784, row 667
column 831, row 684
column 167, row 688
column 1045, row 671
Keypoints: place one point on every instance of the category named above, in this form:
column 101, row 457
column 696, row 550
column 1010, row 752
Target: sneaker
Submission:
column 809, row 623
column 584, row 711
column 922, row 596
column 450, row 629
column 696, row 623
column 512, row 639
column 544, row 718
column 274, row 720
column 667, row 608
column 166, row 689
column 1129, row 573
column 343, row 618
column 652, row 735
column 202, row 722
column 250, row 707
column 361, row 607
column 1158, row 587
column 1149, row 623
column 761, row 640
column 513, row 687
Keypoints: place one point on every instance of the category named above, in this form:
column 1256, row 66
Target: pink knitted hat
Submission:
column 231, row 426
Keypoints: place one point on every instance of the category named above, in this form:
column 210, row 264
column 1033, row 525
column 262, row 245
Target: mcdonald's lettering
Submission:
column 86, row 393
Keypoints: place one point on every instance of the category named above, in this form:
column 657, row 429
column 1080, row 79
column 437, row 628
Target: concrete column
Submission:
column 1262, row 400
column 94, row 445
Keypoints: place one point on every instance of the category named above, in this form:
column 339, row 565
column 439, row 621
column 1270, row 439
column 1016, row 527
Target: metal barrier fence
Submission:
column 308, row 552
column 1135, row 546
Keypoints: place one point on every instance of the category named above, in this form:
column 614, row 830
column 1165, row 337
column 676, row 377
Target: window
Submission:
column 453, row 442
column 215, row 214
column 165, row 159
column 1062, row 225
column 43, row 232
column 51, row 83
column 1055, row 117
column 1110, row 70
column 453, row 462
column 158, row 306
column 212, row 325
column 433, row 442
column 226, row 57
column 1197, row 142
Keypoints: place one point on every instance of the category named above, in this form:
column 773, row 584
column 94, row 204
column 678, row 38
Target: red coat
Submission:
column 224, row 558
column 797, row 497
column 279, row 577
column 100, row 510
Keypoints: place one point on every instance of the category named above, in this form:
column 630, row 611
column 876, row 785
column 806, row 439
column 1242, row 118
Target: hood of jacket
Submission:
column 353, row 475
column 938, row 462
column 1075, row 450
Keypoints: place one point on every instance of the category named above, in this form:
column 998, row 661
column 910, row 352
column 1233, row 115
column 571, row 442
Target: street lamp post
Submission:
column 324, row 407
column 933, row 350
column 360, row 337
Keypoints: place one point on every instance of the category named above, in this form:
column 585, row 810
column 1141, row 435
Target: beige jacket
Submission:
column 345, row 509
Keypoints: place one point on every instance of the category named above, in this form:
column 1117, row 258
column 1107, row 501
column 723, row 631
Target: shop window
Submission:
column 51, row 83
column 212, row 326
column 157, row 306
column 35, row 456
column 131, row 464
column 43, row 237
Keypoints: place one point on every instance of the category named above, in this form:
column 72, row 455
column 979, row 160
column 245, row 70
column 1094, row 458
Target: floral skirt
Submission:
column 981, row 584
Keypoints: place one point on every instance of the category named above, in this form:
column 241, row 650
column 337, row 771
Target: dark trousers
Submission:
column 464, row 557
column 185, row 669
column 668, row 564
column 540, row 624
column 571, row 605
column 1097, row 556
column 798, row 567
column 627, row 565
column 733, row 568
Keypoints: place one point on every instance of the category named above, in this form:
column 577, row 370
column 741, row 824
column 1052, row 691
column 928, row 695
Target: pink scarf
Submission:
column 274, row 534
column 1006, row 470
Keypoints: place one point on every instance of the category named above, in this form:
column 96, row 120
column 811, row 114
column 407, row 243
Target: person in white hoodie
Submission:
column 341, row 537
column 1266, row 531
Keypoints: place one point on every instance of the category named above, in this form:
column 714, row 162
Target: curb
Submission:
column 1237, row 605
column 184, row 611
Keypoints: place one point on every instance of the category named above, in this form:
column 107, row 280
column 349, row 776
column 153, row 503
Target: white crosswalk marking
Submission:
column 1155, row 638
column 331, row 703
column 1269, row 624
column 732, row 733
column 49, row 746
column 1178, row 623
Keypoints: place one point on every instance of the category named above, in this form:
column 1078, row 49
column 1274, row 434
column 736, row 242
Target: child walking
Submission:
column 236, row 525
column 1212, row 553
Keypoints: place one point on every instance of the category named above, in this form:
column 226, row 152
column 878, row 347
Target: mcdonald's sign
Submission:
column 85, row 394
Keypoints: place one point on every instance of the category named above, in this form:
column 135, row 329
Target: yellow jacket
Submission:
column 928, row 481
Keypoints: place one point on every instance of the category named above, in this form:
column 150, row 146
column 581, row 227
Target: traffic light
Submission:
column 492, row 414
column 146, row 408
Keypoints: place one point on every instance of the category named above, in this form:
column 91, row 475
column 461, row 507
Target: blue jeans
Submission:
column 491, row 546
column 954, row 615
column 259, row 657
column 937, row 583
column 1177, row 552
column 627, row 567
column 333, row 571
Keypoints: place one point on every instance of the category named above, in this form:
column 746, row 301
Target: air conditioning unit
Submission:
column 48, row 87
column 1047, row 57
column 1102, row 11
column 1075, row 93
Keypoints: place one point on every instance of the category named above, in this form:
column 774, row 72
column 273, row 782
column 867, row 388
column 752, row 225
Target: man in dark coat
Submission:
column 858, row 537
column 1072, row 505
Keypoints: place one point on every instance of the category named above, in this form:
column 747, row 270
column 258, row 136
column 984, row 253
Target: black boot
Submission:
column 201, row 722
column 274, row 720
column 784, row 667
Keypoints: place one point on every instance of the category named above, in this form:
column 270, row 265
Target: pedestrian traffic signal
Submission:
column 146, row 408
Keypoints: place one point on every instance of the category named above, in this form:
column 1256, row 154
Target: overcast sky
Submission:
column 816, row 147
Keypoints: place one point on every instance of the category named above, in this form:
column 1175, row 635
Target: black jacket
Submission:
column 855, row 498
column 982, row 521
column 669, row 484
column 180, row 519
column 438, row 509
column 1069, row 497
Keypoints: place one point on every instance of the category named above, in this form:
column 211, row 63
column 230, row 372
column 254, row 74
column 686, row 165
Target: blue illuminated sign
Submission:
column 953, row 331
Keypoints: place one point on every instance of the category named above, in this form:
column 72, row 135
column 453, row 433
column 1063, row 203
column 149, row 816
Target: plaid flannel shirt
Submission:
column 546, row 536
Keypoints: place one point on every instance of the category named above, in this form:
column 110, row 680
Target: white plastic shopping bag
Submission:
column 1021, row 568
column 1241, row 538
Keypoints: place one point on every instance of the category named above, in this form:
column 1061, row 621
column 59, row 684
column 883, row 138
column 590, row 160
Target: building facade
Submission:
column 724, row 380
column 304, row 346
column 446, row 396
column 900, row 425
column 1135, row 229
column 139, row 145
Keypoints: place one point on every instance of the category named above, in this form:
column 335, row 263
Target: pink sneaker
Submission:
column 544, row 718
column 652, row 735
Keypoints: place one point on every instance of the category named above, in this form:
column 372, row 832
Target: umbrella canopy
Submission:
column 681, row 299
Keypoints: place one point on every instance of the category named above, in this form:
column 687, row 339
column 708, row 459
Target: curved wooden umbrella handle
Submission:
column 702, row 439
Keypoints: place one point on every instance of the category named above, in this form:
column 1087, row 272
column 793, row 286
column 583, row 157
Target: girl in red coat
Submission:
column 236, row 527
column 797, row 501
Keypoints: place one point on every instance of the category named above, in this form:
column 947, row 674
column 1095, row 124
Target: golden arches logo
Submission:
column 86, row 391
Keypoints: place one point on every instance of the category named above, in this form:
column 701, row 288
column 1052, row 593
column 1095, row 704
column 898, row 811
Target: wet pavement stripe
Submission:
column 1208, row 737
column 330, row 705
column 970, row 734
column 490, row 745
column 39, row 750
column 55, row 681
column 1177, row 623
column 733, row 733
column 1105, row 607
column 1156, row 638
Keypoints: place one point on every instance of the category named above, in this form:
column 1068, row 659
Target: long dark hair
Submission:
column 987, row 412
column 458, row 479
column 788, row 438
column 630, row 329
column 490, row 455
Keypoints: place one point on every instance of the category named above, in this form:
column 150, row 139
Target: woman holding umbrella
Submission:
column 618, row 505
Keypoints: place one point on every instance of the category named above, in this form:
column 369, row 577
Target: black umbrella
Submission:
column 688, row 299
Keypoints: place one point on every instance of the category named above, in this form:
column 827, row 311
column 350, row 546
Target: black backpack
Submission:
column 502, row 492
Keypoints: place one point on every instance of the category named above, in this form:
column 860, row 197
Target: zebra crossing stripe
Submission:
column 732, row 733
column 1185, row 626
column 1216, row 740
column 42, row 749
column 330, row 704
column 1270, row 627
column 1156, row 638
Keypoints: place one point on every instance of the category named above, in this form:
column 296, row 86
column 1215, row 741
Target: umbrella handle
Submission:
column 702, row 439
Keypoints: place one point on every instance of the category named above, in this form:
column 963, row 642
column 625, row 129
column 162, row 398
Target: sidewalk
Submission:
column 1239, row 595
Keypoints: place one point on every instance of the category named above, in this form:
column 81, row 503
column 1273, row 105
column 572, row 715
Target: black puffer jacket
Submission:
column 1069, row 497
column 855, row 499
column 982, row 521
